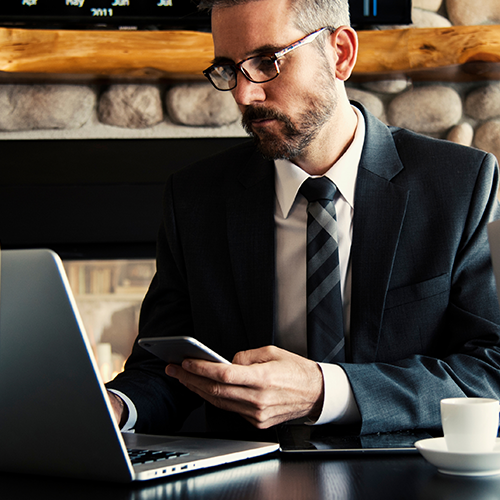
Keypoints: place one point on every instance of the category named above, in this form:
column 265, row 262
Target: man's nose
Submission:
column 247, row 92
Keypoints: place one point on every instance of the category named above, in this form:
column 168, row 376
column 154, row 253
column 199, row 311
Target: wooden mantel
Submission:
column 473, row 51
column 459, row 52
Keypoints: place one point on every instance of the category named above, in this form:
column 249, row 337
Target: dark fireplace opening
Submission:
column 96, row 203
column 91, row 199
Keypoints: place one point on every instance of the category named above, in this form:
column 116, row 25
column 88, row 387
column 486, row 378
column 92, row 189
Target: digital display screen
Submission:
column 374, row 12
column 113, row 12
column 163, row 13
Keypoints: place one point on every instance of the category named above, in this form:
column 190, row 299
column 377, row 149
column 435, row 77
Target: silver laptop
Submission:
column 55, row 418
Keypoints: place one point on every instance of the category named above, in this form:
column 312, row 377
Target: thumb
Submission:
column 253, row 356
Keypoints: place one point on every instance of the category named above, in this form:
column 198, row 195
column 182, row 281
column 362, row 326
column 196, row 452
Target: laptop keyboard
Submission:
column 138, row 457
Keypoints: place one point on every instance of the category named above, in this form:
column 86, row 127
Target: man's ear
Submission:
column 344, row 42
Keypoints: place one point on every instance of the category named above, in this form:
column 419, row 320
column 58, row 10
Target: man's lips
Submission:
column 261, row 122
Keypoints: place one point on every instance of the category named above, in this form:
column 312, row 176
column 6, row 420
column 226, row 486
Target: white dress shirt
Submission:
column 291, row 243
column 132, row 411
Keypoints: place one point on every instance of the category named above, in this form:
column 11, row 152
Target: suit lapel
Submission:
column 379, row 212
column 250, row 216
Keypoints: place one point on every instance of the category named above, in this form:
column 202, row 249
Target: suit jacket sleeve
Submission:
column 208, row 265
column 438, row 335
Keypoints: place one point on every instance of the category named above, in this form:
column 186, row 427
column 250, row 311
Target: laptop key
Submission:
column 149, row 456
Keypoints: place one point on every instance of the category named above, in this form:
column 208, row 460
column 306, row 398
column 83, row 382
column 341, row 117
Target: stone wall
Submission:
column 62, row 111
column 468, row 113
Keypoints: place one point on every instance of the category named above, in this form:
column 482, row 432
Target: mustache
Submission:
column 252, row 113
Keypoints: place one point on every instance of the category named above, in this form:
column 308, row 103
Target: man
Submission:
column 420, row 314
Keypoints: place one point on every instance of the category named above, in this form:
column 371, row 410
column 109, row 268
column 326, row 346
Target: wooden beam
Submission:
column 184, row 54
column 418, row 49
column 136, row 54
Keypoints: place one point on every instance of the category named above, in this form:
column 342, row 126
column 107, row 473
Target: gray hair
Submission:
column 310, row 15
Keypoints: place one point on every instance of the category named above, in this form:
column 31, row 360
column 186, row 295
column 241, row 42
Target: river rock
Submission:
column 199, row 104
column 131, row 106
column 431, row 109
column 30, row 107
column 473, row 12
column 484, row 103
column 432, row 5
column 461, row 134
column 387, row 86
column 372, row 103
column 425, row 19
column 488, row 137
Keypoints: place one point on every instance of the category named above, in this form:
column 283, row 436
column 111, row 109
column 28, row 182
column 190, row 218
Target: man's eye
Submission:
column 265, row 63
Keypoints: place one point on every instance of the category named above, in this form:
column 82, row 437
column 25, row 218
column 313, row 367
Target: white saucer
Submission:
column 460, row 464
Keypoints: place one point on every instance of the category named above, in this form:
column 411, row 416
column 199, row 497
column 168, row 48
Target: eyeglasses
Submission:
column 257, row 69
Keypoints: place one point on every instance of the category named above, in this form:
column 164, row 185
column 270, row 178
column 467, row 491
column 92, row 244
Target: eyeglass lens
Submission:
column 223, row 77
column 258, row 69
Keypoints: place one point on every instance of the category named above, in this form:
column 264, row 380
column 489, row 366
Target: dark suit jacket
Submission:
column 424, row 320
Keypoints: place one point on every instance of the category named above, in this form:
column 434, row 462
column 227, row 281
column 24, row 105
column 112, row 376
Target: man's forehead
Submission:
column 242, row 30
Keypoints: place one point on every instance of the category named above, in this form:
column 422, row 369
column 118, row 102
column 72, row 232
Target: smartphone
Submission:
column 176, row 349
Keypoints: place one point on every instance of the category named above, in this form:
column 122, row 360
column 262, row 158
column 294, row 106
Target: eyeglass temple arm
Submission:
column 303, row 41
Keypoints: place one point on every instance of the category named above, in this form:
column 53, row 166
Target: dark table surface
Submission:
column 276, row 477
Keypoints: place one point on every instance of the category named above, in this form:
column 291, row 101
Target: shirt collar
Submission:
column 289, row 177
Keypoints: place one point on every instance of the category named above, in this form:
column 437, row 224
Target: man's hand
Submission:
column 266, row 386
column 119, row 407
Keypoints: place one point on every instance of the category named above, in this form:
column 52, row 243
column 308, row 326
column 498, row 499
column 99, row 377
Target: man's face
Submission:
column 287, row 114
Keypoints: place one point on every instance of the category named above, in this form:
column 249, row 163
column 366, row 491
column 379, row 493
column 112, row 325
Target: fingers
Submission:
column 220, row 393
column 266, row 386
column 253, row 356
column 216, row 380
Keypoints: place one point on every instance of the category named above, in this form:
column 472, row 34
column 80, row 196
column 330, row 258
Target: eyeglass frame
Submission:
column 274, row 58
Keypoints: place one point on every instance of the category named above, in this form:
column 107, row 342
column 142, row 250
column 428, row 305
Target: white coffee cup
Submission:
column 470, row 425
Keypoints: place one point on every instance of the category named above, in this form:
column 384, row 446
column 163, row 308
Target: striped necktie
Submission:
column 325, row 331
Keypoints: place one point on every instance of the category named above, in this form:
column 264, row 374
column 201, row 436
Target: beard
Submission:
column 294, row 137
